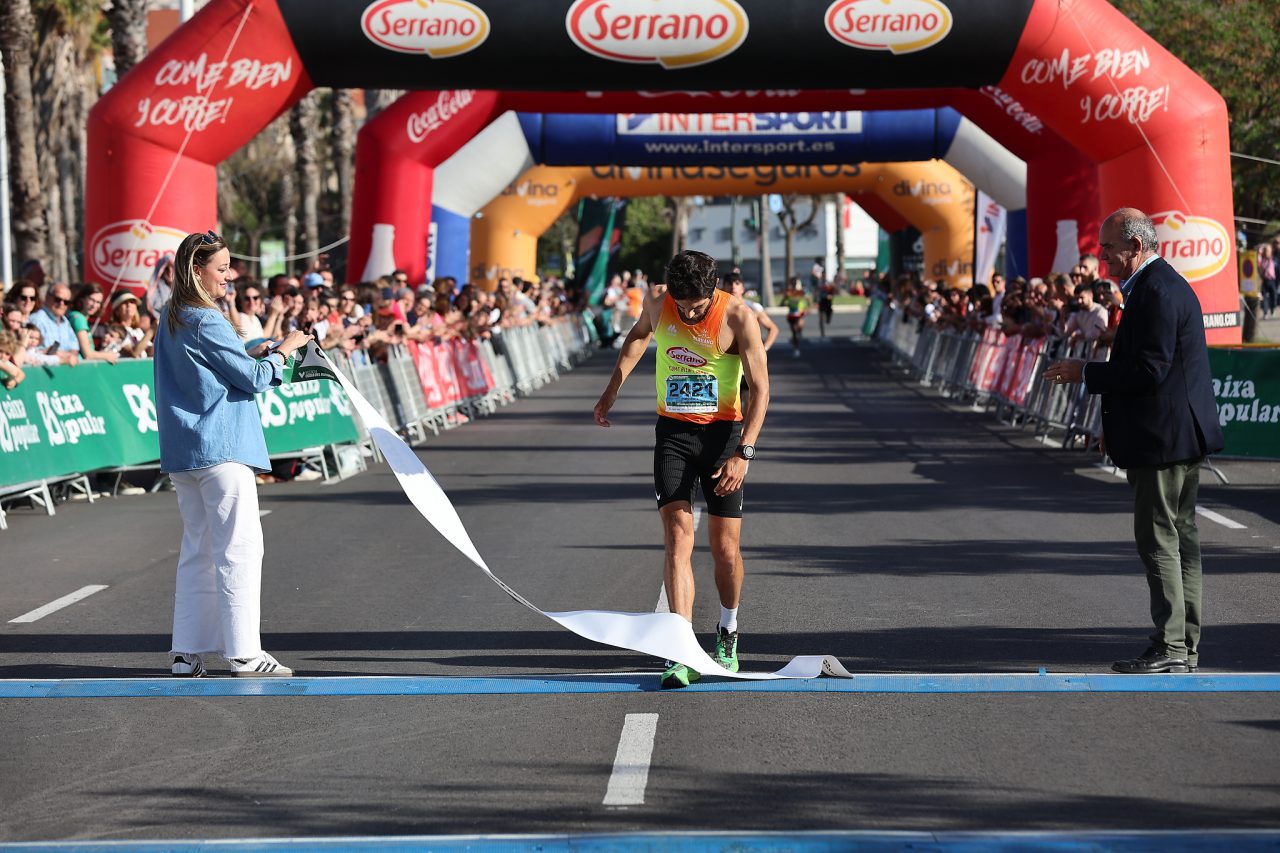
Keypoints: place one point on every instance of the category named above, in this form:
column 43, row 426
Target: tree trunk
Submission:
column 128, row 20
column 377, row 100
column 766, row 263
column 303, row 122
column 54, row 81
column 344, row 150
column 840, row 203
column 30, row 230
column 289, row 203
column 680, row 225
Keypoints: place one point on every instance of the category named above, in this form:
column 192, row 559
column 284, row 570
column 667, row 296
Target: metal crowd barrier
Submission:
column 520, row 360
column 997, row 372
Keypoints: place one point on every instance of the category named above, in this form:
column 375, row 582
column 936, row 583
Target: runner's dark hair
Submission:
column 692, row 275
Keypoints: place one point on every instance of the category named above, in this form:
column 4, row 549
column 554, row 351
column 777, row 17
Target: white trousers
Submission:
column 217, row 601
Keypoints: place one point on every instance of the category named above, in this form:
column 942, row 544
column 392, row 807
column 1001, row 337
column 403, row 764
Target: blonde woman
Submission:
column 211, row 444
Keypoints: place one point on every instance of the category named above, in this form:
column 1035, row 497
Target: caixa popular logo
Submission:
column 687, row 357
column 448, row 104
column 1196, row 246
column 438, row 28
column 672, row 33
column 126, row 252
column 898, row 26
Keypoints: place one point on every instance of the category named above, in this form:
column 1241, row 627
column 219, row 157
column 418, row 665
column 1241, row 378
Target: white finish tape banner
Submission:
column 663, row 635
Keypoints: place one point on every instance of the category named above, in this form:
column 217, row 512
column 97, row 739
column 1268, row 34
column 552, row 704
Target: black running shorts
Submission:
column 684, row 453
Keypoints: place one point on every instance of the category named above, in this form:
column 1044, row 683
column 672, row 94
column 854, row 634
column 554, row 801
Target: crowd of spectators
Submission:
column 1073, row 306
column 53, row 323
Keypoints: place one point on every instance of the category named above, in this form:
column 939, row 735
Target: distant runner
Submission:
column 706, row 341
column 797, row 305
column 732, row 283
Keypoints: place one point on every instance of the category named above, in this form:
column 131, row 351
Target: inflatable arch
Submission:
column 930, row 195
column 391, row 208
column 1124, row 111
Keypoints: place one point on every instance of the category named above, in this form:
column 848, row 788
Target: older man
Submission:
column 54, row 326
column 1159, row 420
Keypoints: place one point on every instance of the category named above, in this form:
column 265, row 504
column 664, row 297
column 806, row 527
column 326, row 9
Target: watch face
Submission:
column 748, row 451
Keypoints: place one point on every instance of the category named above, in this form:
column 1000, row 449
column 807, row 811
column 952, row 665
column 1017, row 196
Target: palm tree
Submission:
column 304, row 122
column 128, row 19
column 343, row 146
column 72, row 36
column 30, row 230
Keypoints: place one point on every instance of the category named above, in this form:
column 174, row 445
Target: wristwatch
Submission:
column 747, row 451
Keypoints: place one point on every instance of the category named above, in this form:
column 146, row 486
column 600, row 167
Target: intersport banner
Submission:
column 66, row 420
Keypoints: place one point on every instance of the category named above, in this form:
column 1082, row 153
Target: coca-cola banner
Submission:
column 652, row 44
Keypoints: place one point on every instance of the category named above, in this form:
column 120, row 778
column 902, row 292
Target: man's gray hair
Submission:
column 1135, row 223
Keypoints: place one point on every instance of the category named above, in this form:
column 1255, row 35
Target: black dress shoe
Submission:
column 1151, row 661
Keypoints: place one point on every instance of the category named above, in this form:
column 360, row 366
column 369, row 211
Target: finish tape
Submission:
column 663, row 635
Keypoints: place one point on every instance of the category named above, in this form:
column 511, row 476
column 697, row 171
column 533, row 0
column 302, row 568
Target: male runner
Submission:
column 732, row 283
column 706, row 341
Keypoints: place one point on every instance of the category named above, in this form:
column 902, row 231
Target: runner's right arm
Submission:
column 637, row 341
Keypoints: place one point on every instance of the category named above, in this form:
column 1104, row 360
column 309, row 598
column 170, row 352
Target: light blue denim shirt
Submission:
column 55, row 331
column 205, row 383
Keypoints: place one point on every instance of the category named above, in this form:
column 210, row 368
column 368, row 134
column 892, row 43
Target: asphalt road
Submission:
column 884, row 526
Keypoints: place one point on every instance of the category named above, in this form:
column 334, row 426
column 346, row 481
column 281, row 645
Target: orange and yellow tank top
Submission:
column 695, row 381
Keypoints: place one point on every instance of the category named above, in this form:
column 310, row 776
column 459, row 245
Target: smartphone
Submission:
column 51, row 349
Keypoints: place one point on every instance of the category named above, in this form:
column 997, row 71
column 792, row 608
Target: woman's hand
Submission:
column 293, row 341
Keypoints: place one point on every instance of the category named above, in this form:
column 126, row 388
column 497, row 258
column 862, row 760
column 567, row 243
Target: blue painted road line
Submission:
column 1238, row 841
column 97, row 688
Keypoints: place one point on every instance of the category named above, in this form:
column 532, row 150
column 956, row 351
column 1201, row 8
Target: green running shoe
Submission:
column 727, row 649
column 678, row 675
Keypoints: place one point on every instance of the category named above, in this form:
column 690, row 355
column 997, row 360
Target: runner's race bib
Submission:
column 692, row 393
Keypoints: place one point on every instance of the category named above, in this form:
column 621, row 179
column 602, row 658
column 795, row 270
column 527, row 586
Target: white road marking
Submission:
column 65, row 601
column 1220, row 519
column 631, row 764
column 263, row 512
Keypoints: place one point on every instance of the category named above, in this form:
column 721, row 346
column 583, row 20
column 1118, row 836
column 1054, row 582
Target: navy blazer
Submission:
column 1157, row 391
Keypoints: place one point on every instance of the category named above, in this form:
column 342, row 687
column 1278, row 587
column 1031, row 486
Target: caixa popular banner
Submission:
column 66, row 420
column 1246, row 384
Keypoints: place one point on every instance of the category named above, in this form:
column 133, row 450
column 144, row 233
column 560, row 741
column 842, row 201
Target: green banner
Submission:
column 1246, row 383
column 66, row 420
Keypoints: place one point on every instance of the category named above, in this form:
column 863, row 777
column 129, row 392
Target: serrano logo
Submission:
column 685, row 357
column 447, row 105
column 1196, row 246
column 438, row 28
column 898, row 26
column 672, row 33
column 127, row 251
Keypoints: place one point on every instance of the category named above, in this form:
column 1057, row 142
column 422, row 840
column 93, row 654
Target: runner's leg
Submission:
column 677, row 569
column 725, row 534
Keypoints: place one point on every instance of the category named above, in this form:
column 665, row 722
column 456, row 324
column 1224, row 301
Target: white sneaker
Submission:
column 308, row 474
column 188, row 666
column 262, row 666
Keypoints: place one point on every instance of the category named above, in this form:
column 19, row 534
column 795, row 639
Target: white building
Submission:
column 710, row 231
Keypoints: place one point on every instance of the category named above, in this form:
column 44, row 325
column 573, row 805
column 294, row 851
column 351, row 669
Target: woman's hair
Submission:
column 82, row 294
column 8, row 342
column 195, row 250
